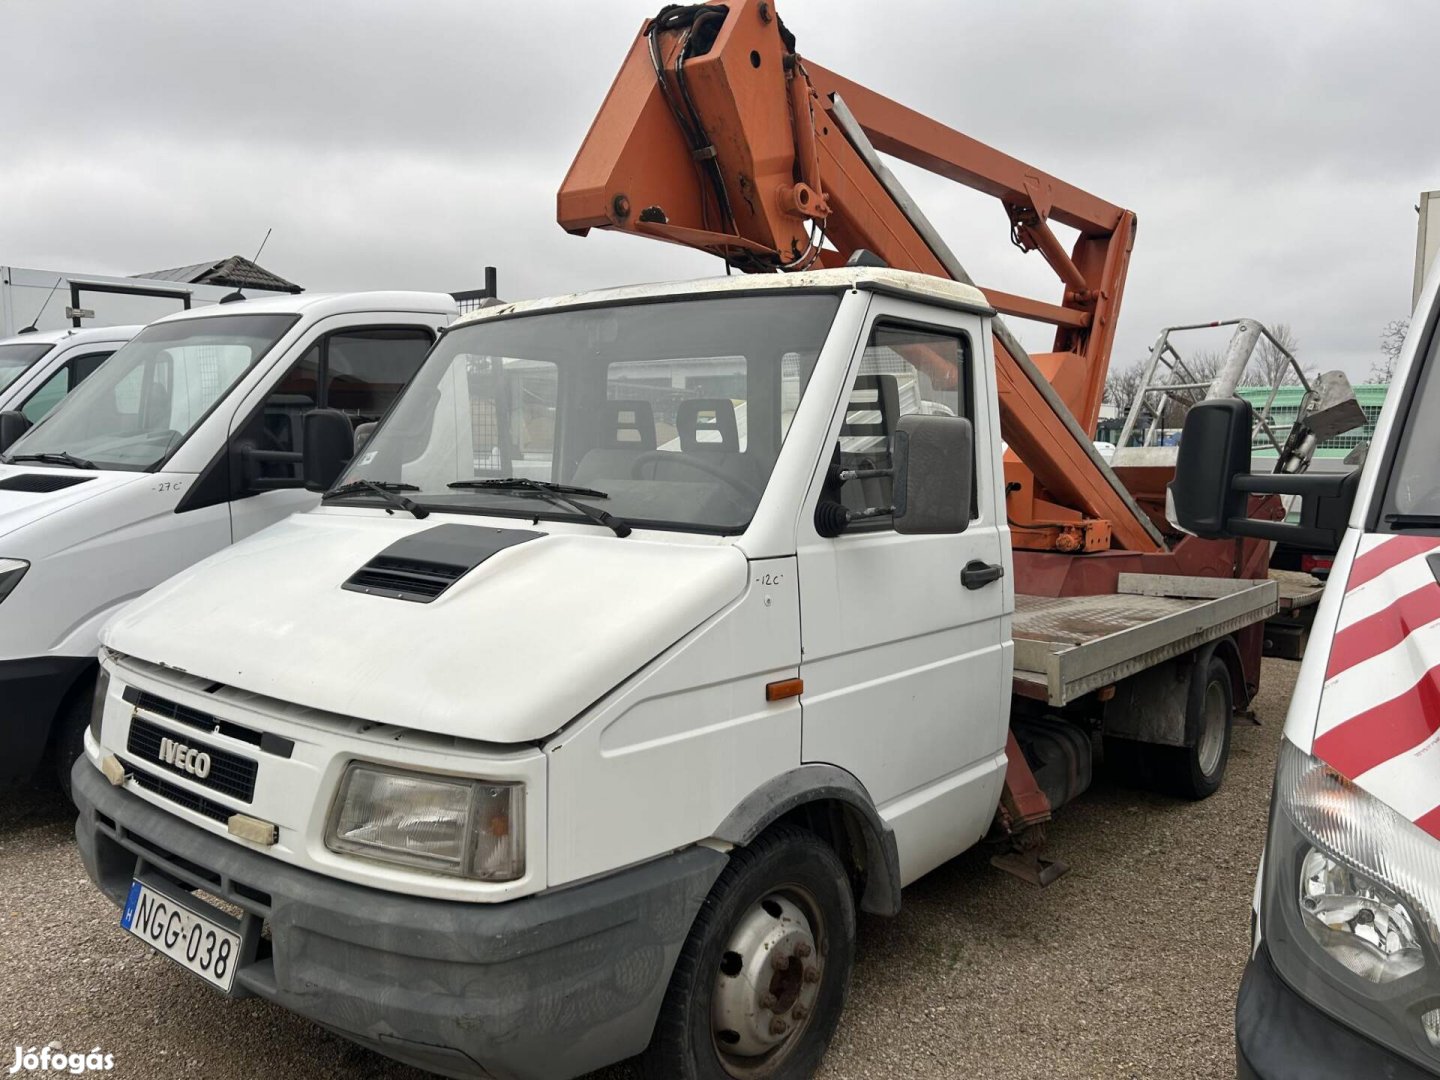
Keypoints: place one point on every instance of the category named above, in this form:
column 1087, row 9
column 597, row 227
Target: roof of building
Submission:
column 235, row 272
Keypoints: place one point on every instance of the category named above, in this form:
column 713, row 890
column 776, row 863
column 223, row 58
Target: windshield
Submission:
column 14, row 359
column 1412, row 494
column 142, row 402
column 676, row 410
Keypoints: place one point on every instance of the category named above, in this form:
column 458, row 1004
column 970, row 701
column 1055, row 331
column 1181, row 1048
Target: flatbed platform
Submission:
column 1069, row 646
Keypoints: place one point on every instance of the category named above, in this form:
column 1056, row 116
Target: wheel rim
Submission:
column 768, row 979
column 1212, row 729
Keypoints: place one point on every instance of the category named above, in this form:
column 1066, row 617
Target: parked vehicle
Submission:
column 187, row 439
column 38, row 369
column 496, row 738
column 1344, row 979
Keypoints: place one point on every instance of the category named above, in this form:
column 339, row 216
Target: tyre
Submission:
column 1197, row 770
column 67, row 740
column 761, row 980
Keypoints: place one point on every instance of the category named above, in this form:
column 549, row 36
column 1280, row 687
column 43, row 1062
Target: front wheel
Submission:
column 759, row 985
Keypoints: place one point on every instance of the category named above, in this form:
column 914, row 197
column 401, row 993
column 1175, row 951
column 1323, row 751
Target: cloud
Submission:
column 1272, row 151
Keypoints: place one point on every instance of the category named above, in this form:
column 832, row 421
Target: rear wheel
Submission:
column 759, row 985
column 1196, row 770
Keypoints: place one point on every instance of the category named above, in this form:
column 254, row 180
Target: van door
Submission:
column 358, row 370
column 906, row 669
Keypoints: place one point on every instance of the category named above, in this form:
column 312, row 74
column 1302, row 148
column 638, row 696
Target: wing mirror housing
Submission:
column 329, row 444
column 1210, row 494
column 12, row 426
column 934, row 467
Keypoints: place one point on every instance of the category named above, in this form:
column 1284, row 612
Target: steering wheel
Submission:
column 699, row 466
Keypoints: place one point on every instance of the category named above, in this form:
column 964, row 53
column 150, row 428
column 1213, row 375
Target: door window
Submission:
column 70, row 375
column 905, row 371
column 359, row 372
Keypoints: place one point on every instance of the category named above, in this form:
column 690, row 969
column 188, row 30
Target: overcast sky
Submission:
column 1273, row 151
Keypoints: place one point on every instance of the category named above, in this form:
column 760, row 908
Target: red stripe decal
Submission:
column 1385, row 731
column 1430, row 822
column 1385, row 555
column 1387, row 628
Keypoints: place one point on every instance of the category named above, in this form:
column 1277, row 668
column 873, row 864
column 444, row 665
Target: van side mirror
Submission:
column 329, row 444
column 934, row 462
column 12, row 426
column 1213, row 483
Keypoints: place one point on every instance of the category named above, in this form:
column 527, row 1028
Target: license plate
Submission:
column 192, row 940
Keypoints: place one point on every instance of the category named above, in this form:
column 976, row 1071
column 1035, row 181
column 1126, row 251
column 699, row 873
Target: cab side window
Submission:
column 68, row 376
column 905, row 371
column 359, row 372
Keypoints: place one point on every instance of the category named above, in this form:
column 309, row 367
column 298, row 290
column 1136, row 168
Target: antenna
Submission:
column 230, row 298
column 31, row 328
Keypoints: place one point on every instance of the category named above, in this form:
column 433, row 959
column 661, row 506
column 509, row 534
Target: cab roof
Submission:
column 71, row 334
column 323, row 304
column 921, row 286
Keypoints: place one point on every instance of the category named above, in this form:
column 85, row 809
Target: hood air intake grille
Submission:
column 421, row 567
column 40, row 482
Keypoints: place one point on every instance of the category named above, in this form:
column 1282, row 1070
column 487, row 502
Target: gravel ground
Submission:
column 1126, row 967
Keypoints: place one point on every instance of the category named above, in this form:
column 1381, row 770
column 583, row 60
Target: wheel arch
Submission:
column 831, row 802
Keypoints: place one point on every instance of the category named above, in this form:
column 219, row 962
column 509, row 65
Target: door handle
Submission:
column 977, row 574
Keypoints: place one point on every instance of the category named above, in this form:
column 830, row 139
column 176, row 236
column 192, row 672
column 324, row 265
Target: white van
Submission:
column 187, row 439
column 38, row 369
column 1344, row 979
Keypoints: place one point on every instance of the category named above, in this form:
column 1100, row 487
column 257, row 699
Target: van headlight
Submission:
column 1349, row 906
column 11, row 571
column 97, row 703
column 444, row 824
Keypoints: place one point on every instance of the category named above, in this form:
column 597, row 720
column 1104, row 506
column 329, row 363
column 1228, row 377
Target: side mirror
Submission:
column 329, row 444
column 934, row 460
column 1213, row 483
column 363, row 433
column 1214, row 450
column 12, row 426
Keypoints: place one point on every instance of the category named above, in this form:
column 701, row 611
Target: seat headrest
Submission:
column 628, row 425
column 875, row 394
column 697, row 416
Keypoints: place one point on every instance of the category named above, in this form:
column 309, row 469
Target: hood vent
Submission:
column 421, row 567
column 40, row 482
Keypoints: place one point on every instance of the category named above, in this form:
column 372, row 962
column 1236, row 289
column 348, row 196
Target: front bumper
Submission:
column 31, row 692
column 1281, row 1036
column 547, row 986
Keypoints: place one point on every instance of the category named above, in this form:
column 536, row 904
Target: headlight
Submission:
column 11, row 571
column 1351, row 895
column 447, row 825
column 97, row 704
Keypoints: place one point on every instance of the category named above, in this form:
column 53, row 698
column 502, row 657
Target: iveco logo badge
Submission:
column 185, row 758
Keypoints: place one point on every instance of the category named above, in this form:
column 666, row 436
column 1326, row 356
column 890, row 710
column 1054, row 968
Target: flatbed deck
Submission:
column 1069, row 646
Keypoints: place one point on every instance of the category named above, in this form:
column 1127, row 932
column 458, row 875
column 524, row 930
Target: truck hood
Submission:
column 510, row 652
column 21, row 504
column 1378, row 723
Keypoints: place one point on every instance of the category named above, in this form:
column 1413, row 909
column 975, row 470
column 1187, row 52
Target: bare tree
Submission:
column 1268, row 364
column 1392, row 340
column 1122, row 384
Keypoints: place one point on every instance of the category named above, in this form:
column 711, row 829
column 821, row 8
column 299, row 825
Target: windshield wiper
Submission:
column 385, row 489
column 559, row 494
column 1413, row 521
column 57, row 457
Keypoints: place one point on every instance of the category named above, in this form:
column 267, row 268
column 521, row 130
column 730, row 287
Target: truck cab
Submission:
column 188, row 438
column 536, row 725
column 38, row 369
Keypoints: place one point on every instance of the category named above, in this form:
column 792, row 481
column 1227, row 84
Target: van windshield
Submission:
column 15, row 359
column 1412, row 492
column 143, row 402
column 674, row 410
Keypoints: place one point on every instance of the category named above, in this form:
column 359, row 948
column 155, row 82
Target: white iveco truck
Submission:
column 188, row 438
column 652, row 633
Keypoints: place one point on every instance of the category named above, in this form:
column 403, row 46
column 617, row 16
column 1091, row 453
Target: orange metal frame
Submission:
column 718, row 136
